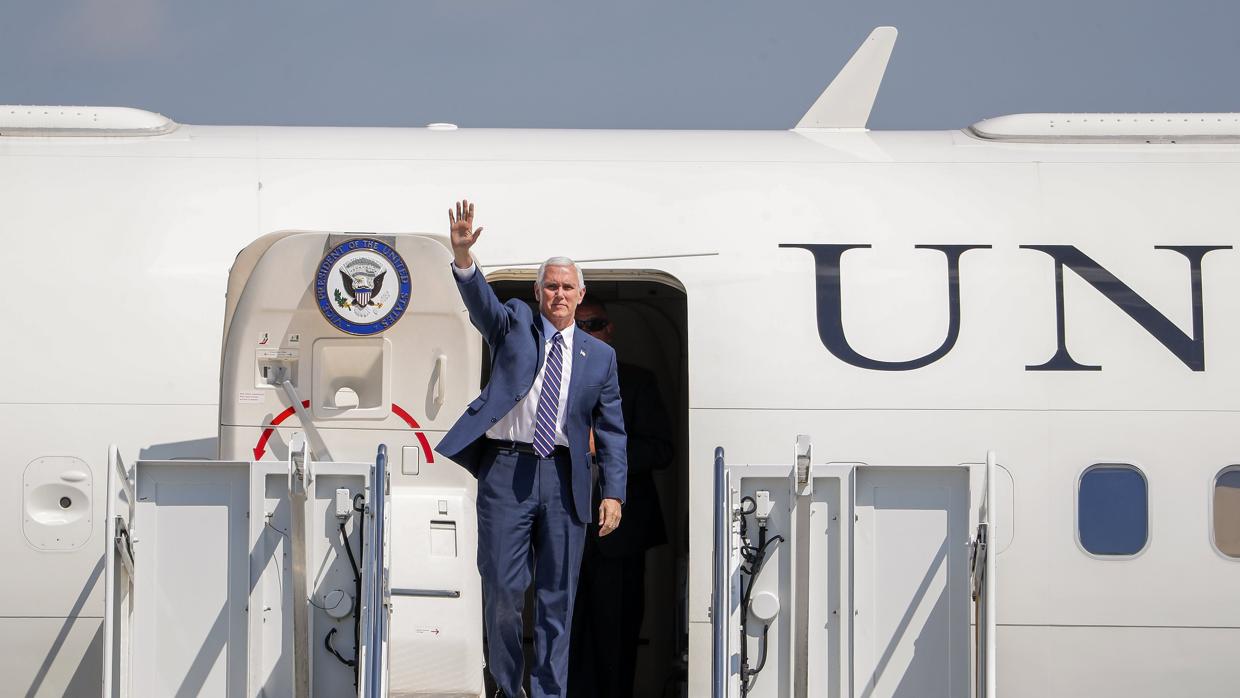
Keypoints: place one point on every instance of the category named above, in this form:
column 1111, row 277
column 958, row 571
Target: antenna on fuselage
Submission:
column 848, row 100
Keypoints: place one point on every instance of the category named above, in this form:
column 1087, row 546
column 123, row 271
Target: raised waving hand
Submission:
column 462, row 232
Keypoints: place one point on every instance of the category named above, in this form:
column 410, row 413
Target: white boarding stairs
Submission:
column 182, row 616
column 852, row 580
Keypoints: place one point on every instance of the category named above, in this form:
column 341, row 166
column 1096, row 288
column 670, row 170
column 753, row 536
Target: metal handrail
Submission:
column 720, row 600
column 123, row 478
column 989, row 677
column 374, row 569
column 982, row 573
column 116, row 530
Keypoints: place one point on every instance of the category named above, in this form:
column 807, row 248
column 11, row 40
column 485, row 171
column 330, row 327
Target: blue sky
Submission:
column 628, row 64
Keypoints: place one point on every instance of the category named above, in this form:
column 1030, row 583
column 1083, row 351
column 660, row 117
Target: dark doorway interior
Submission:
column 649, row 314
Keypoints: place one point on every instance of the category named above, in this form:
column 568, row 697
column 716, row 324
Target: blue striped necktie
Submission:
column 549, row 399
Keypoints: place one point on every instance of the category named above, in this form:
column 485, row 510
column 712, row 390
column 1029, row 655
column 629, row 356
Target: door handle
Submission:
column 441, row 370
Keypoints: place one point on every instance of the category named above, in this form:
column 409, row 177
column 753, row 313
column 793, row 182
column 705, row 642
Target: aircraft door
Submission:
column 300, row 563
column 356, row 340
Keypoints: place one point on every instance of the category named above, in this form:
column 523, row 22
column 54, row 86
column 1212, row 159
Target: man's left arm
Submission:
column 609, row 438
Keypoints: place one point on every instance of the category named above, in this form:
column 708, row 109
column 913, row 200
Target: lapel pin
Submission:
column 583, row 352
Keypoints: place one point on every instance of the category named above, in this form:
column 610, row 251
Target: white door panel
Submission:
column 910, row 580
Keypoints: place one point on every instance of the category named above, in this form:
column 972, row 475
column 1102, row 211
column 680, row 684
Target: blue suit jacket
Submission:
column 514, row 333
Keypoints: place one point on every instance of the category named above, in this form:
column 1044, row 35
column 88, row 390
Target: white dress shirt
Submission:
column 519, row 423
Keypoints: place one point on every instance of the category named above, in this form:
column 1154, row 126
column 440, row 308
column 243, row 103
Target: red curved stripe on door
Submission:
column 288, row 412
column 426, row 448
column 261, row 447
column 400, row 412
column 413, row 424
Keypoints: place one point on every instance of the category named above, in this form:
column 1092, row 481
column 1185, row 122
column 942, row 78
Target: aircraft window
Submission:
column 1227, row 511
column 1112, row 510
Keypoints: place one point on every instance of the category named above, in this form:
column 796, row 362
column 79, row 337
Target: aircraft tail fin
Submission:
column 847, row 101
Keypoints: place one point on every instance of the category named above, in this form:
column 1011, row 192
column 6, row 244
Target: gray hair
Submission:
column 560, row 262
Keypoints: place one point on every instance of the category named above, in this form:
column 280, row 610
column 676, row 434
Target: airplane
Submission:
column 956, row 410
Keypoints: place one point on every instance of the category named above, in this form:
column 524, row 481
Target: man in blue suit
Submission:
column 552, row 401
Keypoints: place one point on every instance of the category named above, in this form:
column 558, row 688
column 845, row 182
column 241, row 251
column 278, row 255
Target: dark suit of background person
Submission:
column 611, row 590
column 532, row 509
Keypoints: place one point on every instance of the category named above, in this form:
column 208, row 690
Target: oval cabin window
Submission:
column 1227, row 511
column 1112, row 512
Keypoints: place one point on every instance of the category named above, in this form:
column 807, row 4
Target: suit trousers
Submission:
column 527, row 529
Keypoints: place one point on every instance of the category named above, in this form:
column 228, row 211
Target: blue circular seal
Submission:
column 362, row 286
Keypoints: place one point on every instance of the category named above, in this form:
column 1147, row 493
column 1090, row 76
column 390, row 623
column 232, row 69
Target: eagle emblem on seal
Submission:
column 361, row 289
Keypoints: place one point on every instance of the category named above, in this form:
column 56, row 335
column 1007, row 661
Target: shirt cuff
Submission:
column 463, row 274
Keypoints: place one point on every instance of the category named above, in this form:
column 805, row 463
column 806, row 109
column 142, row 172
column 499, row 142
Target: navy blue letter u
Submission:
column 830, row 305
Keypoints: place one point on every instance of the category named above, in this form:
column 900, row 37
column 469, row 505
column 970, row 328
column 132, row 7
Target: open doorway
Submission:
column 648, row 312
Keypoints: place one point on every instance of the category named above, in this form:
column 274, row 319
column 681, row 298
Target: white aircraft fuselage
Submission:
column 904, row 299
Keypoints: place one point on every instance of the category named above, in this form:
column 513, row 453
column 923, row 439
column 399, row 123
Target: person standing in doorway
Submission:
column 611, row 596
column 553, row 400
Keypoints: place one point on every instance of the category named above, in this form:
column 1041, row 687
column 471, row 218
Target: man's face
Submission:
column 559, row 295
column 594, row 320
